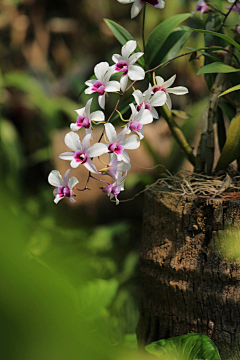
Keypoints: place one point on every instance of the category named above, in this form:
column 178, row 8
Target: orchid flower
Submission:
column 138, row 4
column 201, row 6
column 117, row 143
column 102, row 85
column 235, row 8
column 114, row 166
column 124, row 64
column 149, row 102
column 64, row 186
column 85, row 117
column 163, row 87
column 114, row 189
column 82, row 152
column 138, row 119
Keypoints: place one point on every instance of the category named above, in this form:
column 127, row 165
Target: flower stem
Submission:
column 99, row 179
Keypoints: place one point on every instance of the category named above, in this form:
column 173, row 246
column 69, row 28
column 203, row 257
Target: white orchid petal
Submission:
column 66, row 176
column 80, row 112
column 87, row 108
column 158, row 99
column 134, row 57
column 72, row 199
column 89, row 91
column 147, row 94
column 110, row 132
column 68, row 155
column 89, row 132
column 97, row 150
column 154, row 113
column 74, row 164
column 72, row 182
column 123, row 82
column 55, row 178
column 136, row 8
column 126, row 1
column 132, row 142
column 121, row 136
column 169, row 102
column 116, row 58
column 89, row 165
column 141, row 134
column 101, row 101
column 112, row 86
column 86, row 142
column 128, row 48
column 136, row 72
column 159, row 80
column 146, row 117
column 160, row 5
column 97, row 116
column 90, row 82
column 178, row 90
column 124, row 157
column 138, row 96
column 72, row 141
column 169, row 82
column 108, row 74
column 74, row 127
column 101, row 69
column 57, row 199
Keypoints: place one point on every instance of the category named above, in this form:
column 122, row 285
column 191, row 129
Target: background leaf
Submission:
column 122, row 35
column 216, row 67
column 159, row 36
column 231, row 149
column 186, row 347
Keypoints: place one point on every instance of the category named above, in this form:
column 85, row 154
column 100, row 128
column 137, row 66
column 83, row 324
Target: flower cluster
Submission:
column 116, row 144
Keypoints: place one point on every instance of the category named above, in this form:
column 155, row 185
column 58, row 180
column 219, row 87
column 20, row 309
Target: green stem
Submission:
column 178, row 134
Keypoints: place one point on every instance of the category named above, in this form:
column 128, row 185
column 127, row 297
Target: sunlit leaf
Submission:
column 159, row 36
column 225, row 37
column 231, row 149
column 234, row 88
column 216, row 67
column 186, row 347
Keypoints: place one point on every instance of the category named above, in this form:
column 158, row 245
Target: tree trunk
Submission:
column 186, row 285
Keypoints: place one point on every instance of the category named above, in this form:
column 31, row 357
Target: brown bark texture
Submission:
column 188, row 285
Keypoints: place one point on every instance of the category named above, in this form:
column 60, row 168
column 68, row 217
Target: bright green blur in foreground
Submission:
column 41, row 317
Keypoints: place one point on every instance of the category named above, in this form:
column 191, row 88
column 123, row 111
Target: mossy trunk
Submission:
column 187, row 285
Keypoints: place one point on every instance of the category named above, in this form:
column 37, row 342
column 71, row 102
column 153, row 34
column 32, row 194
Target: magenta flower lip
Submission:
column 80, row 157
column 159, row 88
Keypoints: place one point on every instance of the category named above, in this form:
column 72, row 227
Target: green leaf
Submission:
column 186, row 347
column 228, row 109
column 122, row 35
column 159, row 36
column 96, row 296
column 216, row 67
column 173, row 44
column 225, row 37
column 231, row 149
column 234, row 88
column 181, row 114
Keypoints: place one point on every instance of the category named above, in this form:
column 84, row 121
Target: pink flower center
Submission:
column 135, row 126
column 159, row 88
column 64, row 191
column 115, row 190
column 116, row 148
column 99, row 87
column 148, row 107
column 122, row 66
column 80, row 157
column 107, row 189
column 83, row 122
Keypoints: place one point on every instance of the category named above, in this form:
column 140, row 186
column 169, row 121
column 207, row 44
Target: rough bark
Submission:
column 187, row 286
